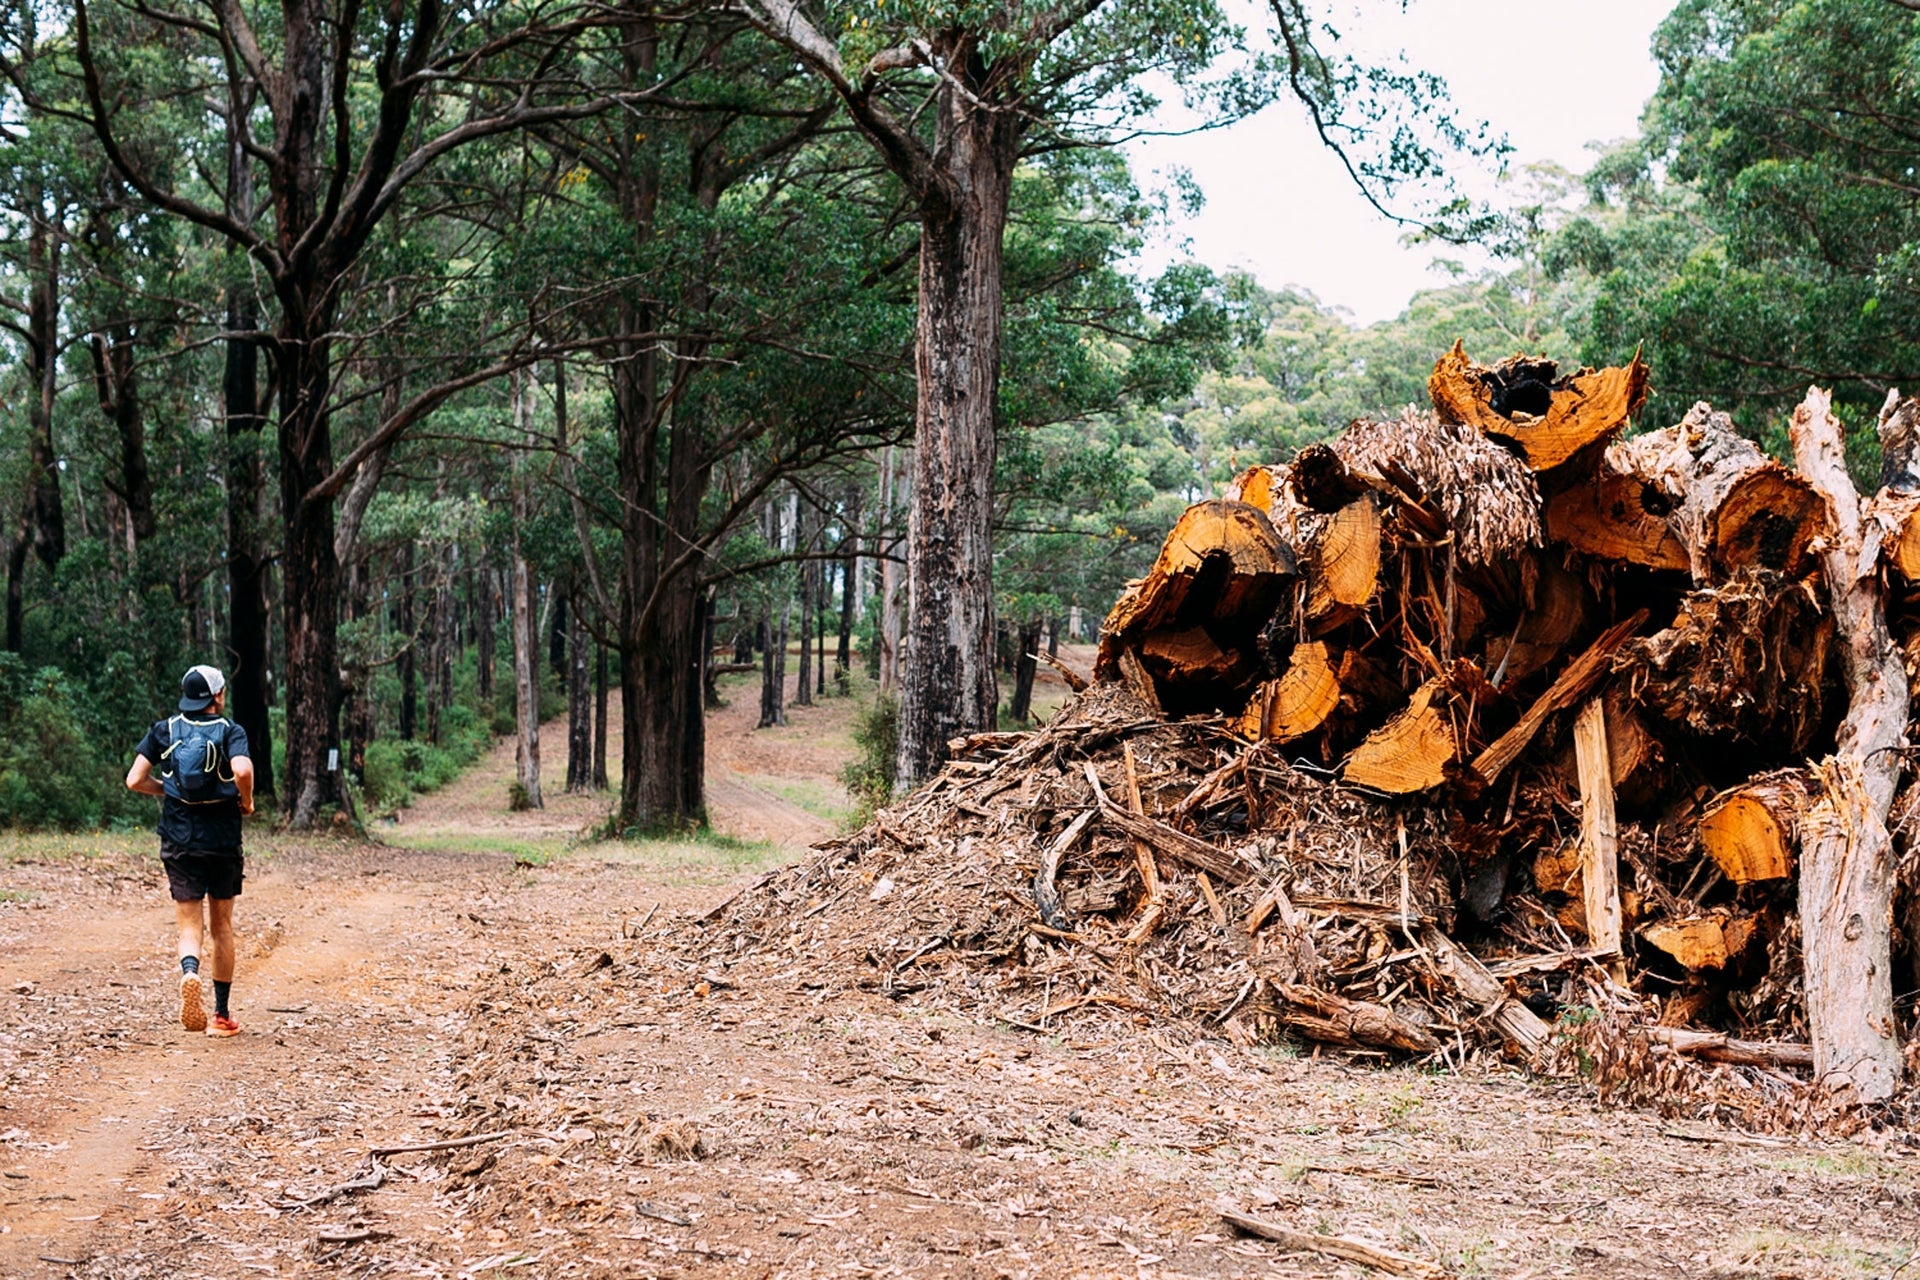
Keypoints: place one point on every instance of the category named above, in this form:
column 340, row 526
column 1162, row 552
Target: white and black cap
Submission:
column 200, row 686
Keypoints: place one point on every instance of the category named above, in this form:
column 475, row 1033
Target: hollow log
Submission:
column 1343, row 560
column 1703, row 942
column 1752, row 830
column 1321, row 482
column 1410, row 752
column 1611, row 515
column 1846, row 881
column 1221, row 571
column 1298, row 702
column 1732, row 506
column 1549, row 418
column 1750, row 660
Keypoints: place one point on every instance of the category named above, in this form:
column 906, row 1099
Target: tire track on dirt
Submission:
column 126, row 1074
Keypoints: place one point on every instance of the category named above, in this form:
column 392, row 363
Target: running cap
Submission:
column 200, row 686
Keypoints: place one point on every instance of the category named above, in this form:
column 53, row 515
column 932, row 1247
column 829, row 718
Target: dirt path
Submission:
column 665, row 1113
column 776, row 786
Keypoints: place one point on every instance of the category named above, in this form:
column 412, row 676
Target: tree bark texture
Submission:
column 579, row 707
column 947, row 686
column 525, row 626
column 1846, row 853
column 247, row 614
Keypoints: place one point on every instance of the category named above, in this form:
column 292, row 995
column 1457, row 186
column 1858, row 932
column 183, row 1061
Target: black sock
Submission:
column 189, row 964
column 220, row 990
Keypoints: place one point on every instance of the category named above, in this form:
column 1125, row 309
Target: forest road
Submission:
column 647, row 1104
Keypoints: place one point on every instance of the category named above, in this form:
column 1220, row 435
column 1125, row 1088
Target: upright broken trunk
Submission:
column 247, row 615
column 1846, row 854
column 484, row 618
column 1025, row 665
column 599, row 717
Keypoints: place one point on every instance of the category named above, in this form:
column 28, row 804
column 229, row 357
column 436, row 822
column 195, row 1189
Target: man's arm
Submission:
column 243, row 779
column 140, row 778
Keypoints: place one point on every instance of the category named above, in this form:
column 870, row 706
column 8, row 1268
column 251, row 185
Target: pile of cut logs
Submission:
column 1657, row 685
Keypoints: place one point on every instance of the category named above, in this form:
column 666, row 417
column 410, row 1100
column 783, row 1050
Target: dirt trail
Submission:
column 666, row 1113
column 753, row 779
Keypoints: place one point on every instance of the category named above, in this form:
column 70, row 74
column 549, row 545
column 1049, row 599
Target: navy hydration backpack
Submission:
column 194, row 768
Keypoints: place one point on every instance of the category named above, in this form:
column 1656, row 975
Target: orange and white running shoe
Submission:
column 193, row 1005
column 222, row 1026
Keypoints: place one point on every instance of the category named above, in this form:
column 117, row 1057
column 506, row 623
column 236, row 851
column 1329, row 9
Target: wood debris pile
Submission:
column 1451, row 725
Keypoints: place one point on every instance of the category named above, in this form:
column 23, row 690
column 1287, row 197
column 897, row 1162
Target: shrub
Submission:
column 384, row 776
column 51, row 773
column 868, row 777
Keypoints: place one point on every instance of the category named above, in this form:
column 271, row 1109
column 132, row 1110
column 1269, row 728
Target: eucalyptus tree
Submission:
column 339, row 109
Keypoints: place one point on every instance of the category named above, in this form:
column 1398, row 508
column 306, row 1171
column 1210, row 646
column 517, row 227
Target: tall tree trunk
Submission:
column 947, row 683
column 557, row 637
column 892, row 590
column 579, row 707
column 483, row 625
column 247, row 614
column 599, row 717
column 409, row 642
column 803, row 688
column 849, row 580
column 311, row 568
column 117, row 381
column 47, row 522
column 525, row 628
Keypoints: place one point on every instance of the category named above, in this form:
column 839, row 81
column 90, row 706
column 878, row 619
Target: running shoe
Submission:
column 193, row 1006
column 222, row 1026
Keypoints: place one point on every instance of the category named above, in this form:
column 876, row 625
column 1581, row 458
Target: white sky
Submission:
column 1554, row 75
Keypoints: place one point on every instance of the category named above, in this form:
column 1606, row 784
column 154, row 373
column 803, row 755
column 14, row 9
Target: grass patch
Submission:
column 699, row 856
column 819, row 798
column 1841, row 1164
column 539, row 852
column 54, row 846
column 1836, row 1258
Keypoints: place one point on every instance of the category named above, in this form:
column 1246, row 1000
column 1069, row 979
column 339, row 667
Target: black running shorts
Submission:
column 192, row 876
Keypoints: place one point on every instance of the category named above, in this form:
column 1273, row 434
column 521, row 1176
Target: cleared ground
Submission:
column 499, row 977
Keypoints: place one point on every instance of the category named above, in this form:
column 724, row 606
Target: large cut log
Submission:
column 1703, row 942
column 1846, row 887
column 1751, row 831
column 1614, row 516
column 1750, row 660
column 1550, row 418
column 1343, row 561
column 1256, row 486
column 1410, row 752
column 1321, row 480
column 1732, row 506
column 1220, row 572
column 1298, row 702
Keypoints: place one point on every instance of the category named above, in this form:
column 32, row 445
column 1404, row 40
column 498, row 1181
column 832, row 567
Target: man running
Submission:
column 197, row 763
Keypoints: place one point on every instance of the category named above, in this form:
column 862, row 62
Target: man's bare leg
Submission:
column 193, row 1005
column 220, row 926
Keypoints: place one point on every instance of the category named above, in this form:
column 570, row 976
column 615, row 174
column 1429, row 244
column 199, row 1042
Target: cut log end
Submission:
column 1298, row 702
column 1549, row 419
column 1411, row 752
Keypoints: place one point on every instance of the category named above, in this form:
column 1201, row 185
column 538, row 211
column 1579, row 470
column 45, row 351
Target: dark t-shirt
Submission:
column 198, row 828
